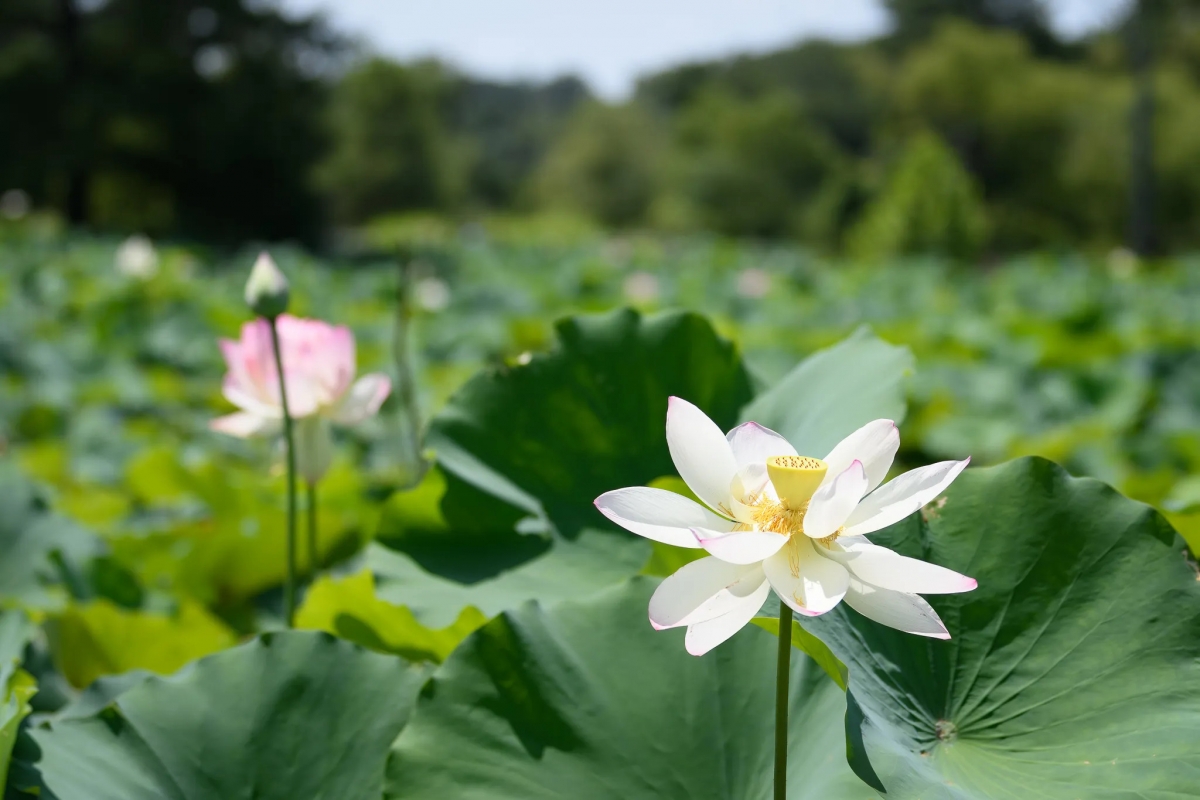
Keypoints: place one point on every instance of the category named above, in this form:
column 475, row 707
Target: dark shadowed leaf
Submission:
column 589, row 416
column 287, row 716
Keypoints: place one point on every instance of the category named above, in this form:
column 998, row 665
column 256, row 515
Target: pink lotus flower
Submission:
column 319, row 366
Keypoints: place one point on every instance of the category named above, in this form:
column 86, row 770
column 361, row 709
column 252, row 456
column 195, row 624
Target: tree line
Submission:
column 970, row 128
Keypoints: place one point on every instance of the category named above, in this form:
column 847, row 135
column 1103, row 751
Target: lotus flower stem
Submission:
column 782, row 683
column 289, row 587
column 314, row 557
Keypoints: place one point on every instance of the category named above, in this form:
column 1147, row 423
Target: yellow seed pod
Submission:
column 796, row 478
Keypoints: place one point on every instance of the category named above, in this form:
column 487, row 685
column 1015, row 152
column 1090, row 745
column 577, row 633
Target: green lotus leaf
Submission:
column 585, row 700
column 1074, row 670
column 16, row 685
column 349, row 608
column 835, row 391
column 37, row 548
column 288, row 715
column 452, row 546
column 99, row 638
column 551, row 435
column 592, row 561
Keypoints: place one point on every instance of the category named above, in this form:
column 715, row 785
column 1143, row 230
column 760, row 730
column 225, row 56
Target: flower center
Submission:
column 779, row 517
column 796, row 478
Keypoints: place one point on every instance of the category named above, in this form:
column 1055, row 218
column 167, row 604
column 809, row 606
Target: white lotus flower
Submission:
column 778, row 520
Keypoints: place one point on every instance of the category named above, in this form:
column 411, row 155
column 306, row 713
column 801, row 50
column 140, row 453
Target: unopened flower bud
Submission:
column 267, row 289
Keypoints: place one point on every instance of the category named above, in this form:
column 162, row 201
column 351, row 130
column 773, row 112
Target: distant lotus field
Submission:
column 512, row 446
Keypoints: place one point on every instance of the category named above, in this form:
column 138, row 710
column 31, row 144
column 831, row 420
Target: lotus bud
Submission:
column 267, row 289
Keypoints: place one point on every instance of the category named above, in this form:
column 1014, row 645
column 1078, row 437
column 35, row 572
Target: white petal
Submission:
column 834, row 501
column 751, row 485
column 752, row 444
column 250, row 403
column 703, row 590
column 243, row 424
column 701, row 453
column 904, row 612
column 886, row 569
column 364, row 399
column 804, row 579
column 740, row 547
column 874, row 444
column 704, row 636
column 902, row 495
column 659, row 515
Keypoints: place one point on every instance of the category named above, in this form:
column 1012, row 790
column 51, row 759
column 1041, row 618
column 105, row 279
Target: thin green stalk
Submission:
column 314, row 557
column 289, row 587
column 783, row 675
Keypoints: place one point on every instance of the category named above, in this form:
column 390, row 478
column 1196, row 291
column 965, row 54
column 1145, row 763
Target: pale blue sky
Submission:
column 610, row 42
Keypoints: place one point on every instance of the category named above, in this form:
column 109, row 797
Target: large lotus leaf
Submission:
column 595, row 559
column 835, row 391
column 552, row 434
column 457, row 530
column 100, row 638
column 349, row 608
column 36, row 546
column 287, row 716
column 1074, row 670
column 452, row 546
column 587, row 701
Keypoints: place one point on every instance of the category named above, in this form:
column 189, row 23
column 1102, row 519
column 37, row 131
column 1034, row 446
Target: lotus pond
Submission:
column 468, row 625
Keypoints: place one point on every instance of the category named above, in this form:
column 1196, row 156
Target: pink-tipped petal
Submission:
column 834, row 501
column 704, row 636
column 702, row 590
column 904, row 612
column 874, row 444
column 902, row 495
column 752, row 445
column 255, row 386
column 258, row 357
column 342, row 356
column 250, row 403
column 807, row 581
column 701, row 453
column 364, row 399
column 886, row 569
column 740, row 547
column 659, row 515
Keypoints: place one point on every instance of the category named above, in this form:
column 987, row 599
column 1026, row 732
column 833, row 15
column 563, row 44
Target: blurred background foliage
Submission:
column 970, row 130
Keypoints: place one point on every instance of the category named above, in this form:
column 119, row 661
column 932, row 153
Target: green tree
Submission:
column 751, row 168
column 509, row 128
column 930, row 206
column 390, row 150
column 916, row 20
column 1012, row 118
column 605, row 165
column 836, row 84
column 199, row 116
